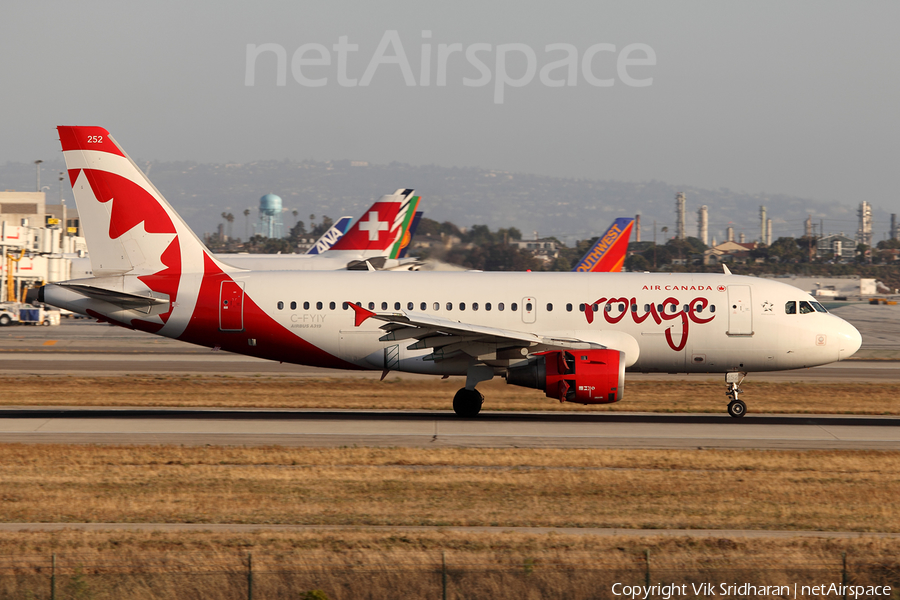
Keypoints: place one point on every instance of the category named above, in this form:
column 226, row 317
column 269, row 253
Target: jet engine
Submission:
column 579, row 376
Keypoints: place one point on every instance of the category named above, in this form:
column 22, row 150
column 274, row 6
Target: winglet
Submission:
column 361, row 314
column 727, row 270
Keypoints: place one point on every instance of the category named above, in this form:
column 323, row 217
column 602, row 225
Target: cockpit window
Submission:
column 805, row 307
column 818, row 307
column 790, row 307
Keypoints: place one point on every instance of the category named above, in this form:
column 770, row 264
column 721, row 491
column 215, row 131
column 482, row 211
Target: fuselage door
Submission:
column 529, row 310
column 231, row 306
column 740, row 310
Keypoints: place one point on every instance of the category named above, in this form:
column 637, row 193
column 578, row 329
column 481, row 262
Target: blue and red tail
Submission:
column 608, row 254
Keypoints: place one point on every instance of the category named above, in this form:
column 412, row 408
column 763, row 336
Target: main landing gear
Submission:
column 467, row 403
column 736, row 407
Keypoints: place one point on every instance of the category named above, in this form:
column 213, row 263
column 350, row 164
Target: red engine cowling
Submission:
column 580, row 376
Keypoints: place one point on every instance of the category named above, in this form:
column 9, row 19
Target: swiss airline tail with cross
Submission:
column 572, row 335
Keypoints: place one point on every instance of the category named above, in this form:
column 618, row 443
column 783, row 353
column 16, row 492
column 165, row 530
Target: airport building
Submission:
column 836, row 245
column 35, row 247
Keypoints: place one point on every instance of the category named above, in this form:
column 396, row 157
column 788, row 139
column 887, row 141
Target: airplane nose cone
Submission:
column 849, row 340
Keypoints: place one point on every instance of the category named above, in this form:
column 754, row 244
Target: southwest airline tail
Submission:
column 608, row 254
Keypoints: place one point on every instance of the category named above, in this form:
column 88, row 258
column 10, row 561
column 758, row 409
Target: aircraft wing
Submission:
column 449, row 337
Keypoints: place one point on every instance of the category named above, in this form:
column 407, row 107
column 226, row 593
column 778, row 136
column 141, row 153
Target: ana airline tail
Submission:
column 330, row 237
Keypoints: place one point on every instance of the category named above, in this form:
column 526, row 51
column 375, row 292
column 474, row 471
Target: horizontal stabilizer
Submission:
column 123, row 299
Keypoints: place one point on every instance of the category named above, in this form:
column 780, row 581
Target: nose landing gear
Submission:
column 736, row 407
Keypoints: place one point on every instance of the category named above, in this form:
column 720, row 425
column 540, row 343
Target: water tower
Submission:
column 270, row 215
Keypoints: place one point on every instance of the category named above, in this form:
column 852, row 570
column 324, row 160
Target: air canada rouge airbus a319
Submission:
column 572, row 335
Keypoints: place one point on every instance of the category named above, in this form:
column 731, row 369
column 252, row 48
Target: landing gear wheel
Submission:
column 467, row 403
column 4, row 320
column 737, row 409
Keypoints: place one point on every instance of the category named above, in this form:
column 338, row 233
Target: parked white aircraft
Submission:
column 572, row 335
column 376, row 238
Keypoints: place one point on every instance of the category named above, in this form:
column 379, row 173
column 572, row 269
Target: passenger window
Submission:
column 384, row 305
column 331, row 306
column 712, row 308
column 500, row 306
column 608, row 308
column 621, row 307
column 806, row 308
column 318, row 306
column 513, row 306
column 687, row 308
column 818, row 307
column 790, row 307
column 528, row 307
column 487, row 306
column 699, row 308
column 410, row 306
column 437, row 306
column 396, row 306
column 462, row 306
column 280, row 305
column 423, row 306
column 581, row 307
column 293, row 306
column 634, row 308
column 646, row 308
column 569, row 307
column 345, row 306
column 306, row 306
column 549, row 307
column 371, row 306
column 595, row 307
column 474, row 306
column 659, row 308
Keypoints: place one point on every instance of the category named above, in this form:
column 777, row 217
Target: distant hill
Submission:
column 567, row 208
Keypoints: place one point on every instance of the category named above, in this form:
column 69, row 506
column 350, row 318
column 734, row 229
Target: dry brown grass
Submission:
column 361, row 564
column 351, row 393
column 840, row 490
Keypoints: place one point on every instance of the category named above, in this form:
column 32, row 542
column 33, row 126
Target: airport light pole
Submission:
column 62, row 202
column 37, row 165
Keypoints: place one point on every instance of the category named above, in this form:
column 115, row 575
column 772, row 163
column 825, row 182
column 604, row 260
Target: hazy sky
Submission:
column 799, row 98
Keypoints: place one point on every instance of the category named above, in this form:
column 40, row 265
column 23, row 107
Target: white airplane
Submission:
column 569, row 334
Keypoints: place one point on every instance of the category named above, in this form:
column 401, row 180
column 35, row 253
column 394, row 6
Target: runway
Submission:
column 443, row 429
